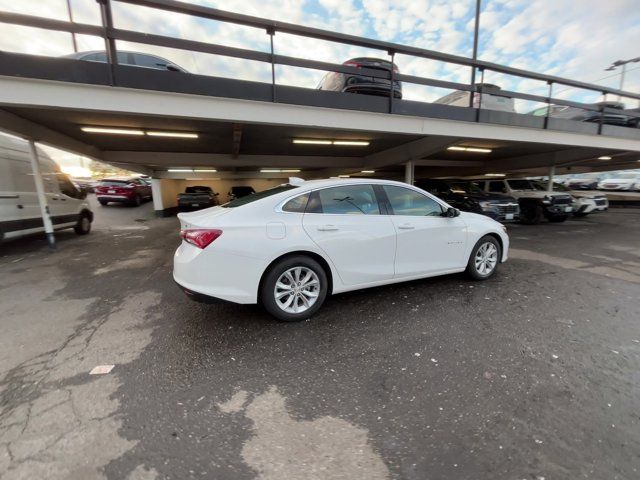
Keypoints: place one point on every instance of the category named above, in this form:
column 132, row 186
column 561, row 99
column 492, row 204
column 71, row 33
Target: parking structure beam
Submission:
column 42, row 199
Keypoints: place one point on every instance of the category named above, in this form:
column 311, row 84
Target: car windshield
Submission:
column 521, row 185
column 238, row 202
column 198, row 190
column 464, row 187
column 627, row 176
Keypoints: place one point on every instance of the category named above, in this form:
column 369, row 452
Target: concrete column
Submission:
column 42, row 198
column 552, row 172
column 156, row 191
column 409, row 172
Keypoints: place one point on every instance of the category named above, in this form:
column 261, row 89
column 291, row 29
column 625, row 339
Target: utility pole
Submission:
column 73, row 35
column 476, row 31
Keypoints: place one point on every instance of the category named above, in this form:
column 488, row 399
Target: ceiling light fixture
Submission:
column 156, row 133
column 494, row 175
column 344, row 176
column 604, row 157
column 470, row 149
column 367, row 171
column 117, row 131
column 279, row 170
column 311, row 141
column 203, row 170
column 351, row 143
column 180, row 170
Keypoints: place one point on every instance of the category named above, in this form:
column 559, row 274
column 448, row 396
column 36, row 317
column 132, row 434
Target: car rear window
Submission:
column 198, row 190
column 114, row 183
column 238, row 202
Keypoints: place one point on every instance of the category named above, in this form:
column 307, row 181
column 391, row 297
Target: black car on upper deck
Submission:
column 468, row 197
column 364, row 83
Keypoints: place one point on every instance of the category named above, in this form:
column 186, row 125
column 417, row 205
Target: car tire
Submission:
column 558, row 218
column 84, row 224
column 103, row 202
column 531, row 214
column 486, row 253
column 295, row 268
column 137, row 201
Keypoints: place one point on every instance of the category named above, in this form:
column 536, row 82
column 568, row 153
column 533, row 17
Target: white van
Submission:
column 19, row 208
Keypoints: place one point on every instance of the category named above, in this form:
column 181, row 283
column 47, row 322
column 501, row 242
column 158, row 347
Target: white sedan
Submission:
column 291, row 246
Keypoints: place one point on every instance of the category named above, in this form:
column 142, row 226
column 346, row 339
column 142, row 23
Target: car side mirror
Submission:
column 451, row 212
column 83, row 193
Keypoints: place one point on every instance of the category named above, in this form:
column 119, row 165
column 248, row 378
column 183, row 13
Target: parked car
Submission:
column 585, row 181
column 135, row 59
column 19, row 207
column 634, row 117
column 129, row 190
column 197, row 197
column 582, row 115
column 344, row 82
column 534, row 203
column 240, row 191
column 290, row 246
column 583, row 203
column 628, row 181
column 489, row 99
column 468, row 197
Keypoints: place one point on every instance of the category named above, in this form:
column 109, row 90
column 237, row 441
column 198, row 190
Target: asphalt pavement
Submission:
column 532, row 374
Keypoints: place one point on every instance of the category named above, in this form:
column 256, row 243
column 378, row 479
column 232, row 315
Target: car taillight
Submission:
column 200, row 237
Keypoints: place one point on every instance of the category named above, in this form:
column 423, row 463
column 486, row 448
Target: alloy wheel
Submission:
column 297, row 289
column 486, row 258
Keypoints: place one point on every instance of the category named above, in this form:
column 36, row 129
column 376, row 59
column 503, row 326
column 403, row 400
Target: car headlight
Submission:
column 485, row 204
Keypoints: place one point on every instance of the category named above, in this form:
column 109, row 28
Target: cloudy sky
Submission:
column 569, row 38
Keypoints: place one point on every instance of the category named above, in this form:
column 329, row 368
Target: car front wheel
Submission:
column 294, row 288
column 484, row 259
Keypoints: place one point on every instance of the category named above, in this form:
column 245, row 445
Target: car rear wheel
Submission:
column 484, row 259
column 294, row 288
column 103, row 203
column 84, row 224
column 137, row 201
column 531, row 214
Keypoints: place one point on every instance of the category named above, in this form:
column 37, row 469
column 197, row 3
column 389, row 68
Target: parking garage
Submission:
column 529, row 374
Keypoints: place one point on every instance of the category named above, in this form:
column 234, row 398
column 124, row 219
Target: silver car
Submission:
column 489, row 99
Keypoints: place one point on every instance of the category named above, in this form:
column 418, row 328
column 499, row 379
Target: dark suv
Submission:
column 465, row 196
column 345, row 82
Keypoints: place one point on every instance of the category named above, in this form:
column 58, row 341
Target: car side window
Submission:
column 297, row 204
column 344, row 200
column 405, row 201
column 149, row 61
column 66, row 187
column 497, row 187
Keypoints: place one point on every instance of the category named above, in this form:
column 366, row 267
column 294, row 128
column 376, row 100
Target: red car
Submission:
column 129, row 190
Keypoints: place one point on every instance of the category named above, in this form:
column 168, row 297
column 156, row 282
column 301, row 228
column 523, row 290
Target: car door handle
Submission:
column 327, row 228
column 406, row 226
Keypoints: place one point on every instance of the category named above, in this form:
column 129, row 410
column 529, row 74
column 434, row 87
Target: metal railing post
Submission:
column 549, row 96
column 271, row 33
column 601, row 118
column 476, row 31
column 392, row 92
column 110, row 43
column 479, row 94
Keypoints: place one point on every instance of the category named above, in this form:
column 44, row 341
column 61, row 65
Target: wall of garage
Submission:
column 165, row 191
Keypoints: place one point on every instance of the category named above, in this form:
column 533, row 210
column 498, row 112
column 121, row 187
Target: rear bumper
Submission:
column 217, row 273
column 114, row 198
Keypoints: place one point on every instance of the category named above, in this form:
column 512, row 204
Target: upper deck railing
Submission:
column 111, row 34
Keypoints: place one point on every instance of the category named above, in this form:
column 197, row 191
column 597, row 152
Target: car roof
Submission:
column 117, row 179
